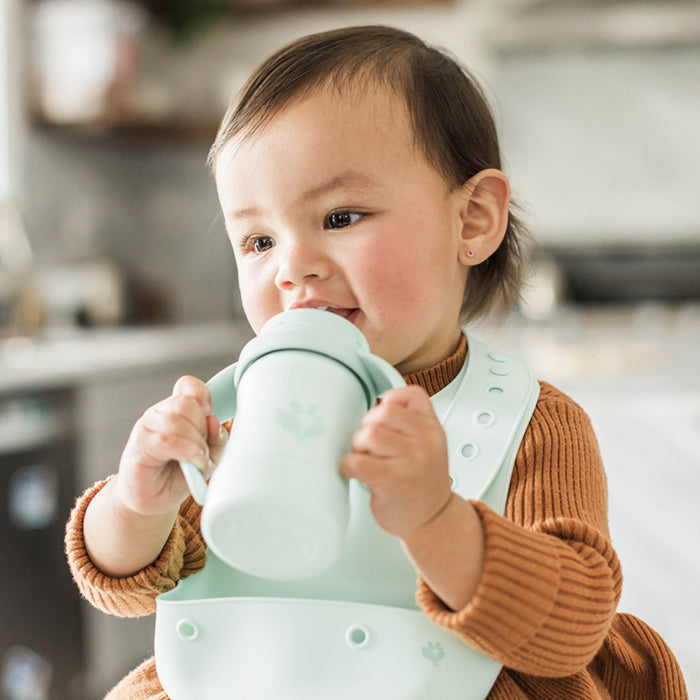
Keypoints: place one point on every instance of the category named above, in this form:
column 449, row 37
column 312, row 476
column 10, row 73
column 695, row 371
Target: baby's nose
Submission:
column 300, row 262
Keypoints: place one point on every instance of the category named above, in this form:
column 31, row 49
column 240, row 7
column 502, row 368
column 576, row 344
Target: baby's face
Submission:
column 331, row 205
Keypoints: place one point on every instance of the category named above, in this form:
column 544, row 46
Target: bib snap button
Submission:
column 357, row 636
column 469, row 450
column 500, row 371
column 187, row 630
column 484, row 418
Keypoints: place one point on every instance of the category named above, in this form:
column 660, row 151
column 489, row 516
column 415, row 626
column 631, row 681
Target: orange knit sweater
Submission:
column 545, row 606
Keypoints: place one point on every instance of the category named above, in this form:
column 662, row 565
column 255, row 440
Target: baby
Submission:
column 359, row 172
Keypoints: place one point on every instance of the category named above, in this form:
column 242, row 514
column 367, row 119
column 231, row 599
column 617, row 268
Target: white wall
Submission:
column 604, row 145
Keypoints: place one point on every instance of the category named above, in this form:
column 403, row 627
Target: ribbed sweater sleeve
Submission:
column 551, row 580
column 133, row 596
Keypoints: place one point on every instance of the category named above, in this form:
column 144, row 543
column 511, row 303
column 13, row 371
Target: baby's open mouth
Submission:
column 344, row 313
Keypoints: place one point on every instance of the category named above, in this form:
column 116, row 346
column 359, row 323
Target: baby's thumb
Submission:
column 217, row 437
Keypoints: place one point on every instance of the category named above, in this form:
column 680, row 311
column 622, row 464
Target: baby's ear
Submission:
column 484, row 214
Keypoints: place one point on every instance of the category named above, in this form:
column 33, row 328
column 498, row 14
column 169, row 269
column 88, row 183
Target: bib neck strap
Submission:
column 435, row 378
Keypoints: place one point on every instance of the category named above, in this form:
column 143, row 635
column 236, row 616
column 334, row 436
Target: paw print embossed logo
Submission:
column 304, row 422
column 434, row 652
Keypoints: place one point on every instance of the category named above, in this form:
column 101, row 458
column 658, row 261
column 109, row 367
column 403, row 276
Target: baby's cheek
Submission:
column 391, row 279
column 259, row 305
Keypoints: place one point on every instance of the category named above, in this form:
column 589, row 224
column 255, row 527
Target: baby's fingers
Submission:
column 174, row 429
column 365, row 468
column 378, row 440
column 196, row 389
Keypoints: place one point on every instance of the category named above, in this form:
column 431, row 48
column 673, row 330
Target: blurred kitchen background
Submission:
column 116, row 276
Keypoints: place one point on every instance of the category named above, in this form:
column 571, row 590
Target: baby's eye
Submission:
column 260, row 244
column 341, row 219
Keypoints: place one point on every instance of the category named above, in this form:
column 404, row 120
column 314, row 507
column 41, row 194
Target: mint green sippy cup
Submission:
column 277, row 506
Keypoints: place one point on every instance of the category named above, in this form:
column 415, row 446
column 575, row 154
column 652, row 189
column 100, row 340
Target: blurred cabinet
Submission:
column 66, row 410
column 42, row 638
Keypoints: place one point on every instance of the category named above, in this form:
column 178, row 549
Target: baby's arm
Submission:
column 537, row 592
column 550, row 579
column 400, row 453
column 129, row 521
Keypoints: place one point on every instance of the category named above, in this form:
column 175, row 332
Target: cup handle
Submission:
column 383, row 375
column 222, row 387
column 195, row 481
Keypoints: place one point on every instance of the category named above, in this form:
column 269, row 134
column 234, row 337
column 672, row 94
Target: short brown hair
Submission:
column 452, row 123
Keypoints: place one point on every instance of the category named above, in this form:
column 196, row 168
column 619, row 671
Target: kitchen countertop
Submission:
column 649, row 345
column 77, row 356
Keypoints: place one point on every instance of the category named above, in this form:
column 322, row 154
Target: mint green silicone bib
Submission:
column 354, row 631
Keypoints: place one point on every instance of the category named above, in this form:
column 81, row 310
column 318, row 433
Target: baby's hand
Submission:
column 181, row 427
column 400, row 453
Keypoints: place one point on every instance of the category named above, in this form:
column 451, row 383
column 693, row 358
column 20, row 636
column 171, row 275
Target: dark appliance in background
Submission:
column 41, row 635
column 629, row 274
